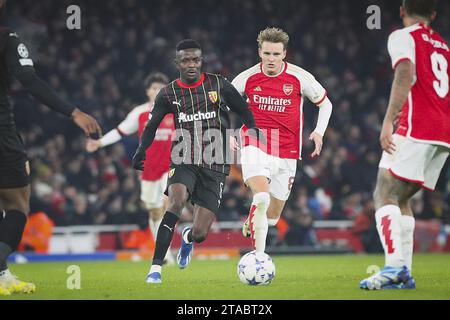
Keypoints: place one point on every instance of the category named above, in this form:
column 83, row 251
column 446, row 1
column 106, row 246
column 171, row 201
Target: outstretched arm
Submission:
column 21, row 66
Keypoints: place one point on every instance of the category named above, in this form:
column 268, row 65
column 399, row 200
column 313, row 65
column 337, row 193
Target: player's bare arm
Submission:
column 403, row 80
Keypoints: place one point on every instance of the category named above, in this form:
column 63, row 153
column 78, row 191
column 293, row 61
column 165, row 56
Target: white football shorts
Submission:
column 152, row 192
column 279, row 171
column 415, row 162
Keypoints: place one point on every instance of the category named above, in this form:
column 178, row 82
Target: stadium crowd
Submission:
column 101, row 69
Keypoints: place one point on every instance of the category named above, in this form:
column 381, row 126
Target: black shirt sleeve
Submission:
column 160, row 110
column 21, row 66
column 237, row 103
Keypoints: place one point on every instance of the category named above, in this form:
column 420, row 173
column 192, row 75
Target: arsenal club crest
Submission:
column 213, row 96
column 288, row 89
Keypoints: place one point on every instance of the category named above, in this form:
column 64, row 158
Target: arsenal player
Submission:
column 276, row 91
column 154, row 177
column 415, row 152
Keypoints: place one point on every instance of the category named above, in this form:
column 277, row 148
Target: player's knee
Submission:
column 177, row 204
column 261, row 199
column 199, row 235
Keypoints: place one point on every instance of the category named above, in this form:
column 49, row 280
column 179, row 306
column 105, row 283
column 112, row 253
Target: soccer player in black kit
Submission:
column 14, row 167
column 199, row 102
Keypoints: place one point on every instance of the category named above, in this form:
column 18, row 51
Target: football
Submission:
column 256, row 268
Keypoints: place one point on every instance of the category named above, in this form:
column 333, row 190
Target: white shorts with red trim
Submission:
column 152, row 192
column 415, row 162
column 279, row 171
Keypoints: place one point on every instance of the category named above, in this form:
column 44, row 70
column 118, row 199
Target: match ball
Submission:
column 256, row 268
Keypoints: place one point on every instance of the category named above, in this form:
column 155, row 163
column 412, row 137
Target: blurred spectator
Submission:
column 301, row 231
column 365, row 228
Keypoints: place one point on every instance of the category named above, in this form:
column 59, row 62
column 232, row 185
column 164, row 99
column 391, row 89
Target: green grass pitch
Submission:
column 297, row 277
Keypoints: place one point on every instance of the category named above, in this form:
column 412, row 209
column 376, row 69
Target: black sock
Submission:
column 5, row 251
column 11, row 231
column 164, row 237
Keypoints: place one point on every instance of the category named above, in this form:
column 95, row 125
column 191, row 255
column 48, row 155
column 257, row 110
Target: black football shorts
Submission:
column 14, row 165
column 205, row 186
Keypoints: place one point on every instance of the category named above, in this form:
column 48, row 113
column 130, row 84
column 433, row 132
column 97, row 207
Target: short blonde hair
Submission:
column 274, row 35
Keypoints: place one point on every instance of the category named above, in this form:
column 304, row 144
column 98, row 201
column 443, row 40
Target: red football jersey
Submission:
column 157, row 160
column 425, row 117
column 277, row 105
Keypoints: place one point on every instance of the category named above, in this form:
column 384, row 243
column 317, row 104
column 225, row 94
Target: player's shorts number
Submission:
column 440, row 65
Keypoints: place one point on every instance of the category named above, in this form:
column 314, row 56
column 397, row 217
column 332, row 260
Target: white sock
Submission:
column 154, row 226
column 155, row 268
column 407, row 224
column 258, row 220
column 273, row 222
column 389, row 229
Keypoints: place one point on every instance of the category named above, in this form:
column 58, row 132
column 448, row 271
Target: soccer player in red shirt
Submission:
column 154, row 176
column 276, row 90
column 415, row 153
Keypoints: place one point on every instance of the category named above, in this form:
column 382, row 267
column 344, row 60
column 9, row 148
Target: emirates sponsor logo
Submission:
column 271, row 104
column 288, row 88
